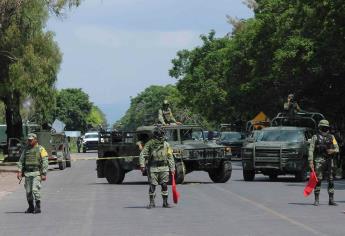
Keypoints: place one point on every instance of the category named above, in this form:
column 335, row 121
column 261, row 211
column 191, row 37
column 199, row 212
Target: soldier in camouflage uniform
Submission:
column 165, row 115
column 323, row 147
column 160, row 161
column 33, row 165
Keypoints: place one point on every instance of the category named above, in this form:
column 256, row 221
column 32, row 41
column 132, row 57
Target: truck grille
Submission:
column 206, row 153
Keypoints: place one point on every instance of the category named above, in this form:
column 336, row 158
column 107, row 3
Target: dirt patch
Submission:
column 8, row 183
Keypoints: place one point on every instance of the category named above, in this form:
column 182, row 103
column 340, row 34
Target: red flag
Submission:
column 176, row 195
column 311, row 184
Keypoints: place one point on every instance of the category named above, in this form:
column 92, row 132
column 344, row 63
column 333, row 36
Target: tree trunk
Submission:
column 13, row 117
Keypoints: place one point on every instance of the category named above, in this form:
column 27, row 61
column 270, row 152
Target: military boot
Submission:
column 152, row 202
column 31, row 208
column 38, row 207
column 331, row 200
column 316, row 202
column 165, row 202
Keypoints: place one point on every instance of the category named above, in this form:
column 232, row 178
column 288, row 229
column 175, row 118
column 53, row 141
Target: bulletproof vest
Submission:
column 158, row 152
column 32, row 159
column 166, row 115
column 323, row 143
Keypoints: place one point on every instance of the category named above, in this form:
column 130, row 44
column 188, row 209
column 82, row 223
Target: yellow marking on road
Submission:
column 271, row 211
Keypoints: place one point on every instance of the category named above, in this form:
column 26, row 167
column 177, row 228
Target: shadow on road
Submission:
column 15, row 212
column 301, row 203
column 136, row 207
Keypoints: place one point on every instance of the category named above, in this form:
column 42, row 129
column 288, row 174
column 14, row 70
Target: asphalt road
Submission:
column 75, row 202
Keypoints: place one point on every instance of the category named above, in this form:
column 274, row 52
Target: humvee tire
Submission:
column 180, row 172
column 113, row 172
column 301, row 176
column 273, row 177
column 62, row 164
column 68, row 160
column 221, row 174
column 248, row 175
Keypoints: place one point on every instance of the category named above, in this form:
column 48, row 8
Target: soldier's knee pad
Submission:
column 164, row 186
column 152, row 188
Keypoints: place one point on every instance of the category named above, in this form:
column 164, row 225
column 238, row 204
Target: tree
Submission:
column 96, row 117
column 289, row 46
column 73, row 108
column 29, row 58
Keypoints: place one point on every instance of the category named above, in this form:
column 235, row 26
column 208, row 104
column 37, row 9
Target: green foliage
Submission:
column 29, row 58
column 144, row 108
column 2, row 113
column 289, row 46
column 96, row 117
column 73, row 108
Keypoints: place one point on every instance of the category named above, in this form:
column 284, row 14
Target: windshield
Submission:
column 230, row 136
column 281, row 135
column 91, row 135
column 191, row 134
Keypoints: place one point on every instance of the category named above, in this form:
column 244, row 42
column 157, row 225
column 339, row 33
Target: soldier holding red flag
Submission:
column 323, row 147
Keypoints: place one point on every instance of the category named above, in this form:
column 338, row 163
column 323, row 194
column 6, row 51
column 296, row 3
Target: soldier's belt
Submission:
column 158, row 163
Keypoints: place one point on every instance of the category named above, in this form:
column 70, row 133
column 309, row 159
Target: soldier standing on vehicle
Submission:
column 160, row 161
column 291, row 106
column 323, row 148
column 165, row 115
column 33, row 165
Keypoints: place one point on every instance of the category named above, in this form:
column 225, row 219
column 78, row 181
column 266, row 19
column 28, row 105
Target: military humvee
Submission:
column 282, row 148
column 190, row 153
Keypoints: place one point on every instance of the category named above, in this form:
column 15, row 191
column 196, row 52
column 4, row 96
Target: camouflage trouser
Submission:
column 324, row 169
column 161, row 178
column 33, row 188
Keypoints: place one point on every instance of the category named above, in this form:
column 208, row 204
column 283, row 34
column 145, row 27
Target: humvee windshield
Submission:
column 91, row 136
column 231, row 136
column 186, row 134
column 281, row 136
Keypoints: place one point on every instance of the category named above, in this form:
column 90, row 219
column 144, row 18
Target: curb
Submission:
column 8, row 171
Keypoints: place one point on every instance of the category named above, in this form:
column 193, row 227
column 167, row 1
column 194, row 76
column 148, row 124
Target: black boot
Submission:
column 31, row 208
column 38, row 207
column 316, row 202
column 152, row 202
column 331, row 200
column 165, row 202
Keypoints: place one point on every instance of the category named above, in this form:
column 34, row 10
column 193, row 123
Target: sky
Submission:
column 114, row 49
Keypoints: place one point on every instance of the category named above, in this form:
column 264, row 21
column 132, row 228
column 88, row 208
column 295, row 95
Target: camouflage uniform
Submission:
column 322, row 161
column 160, row 161
column 33, row 164
column 165, row 115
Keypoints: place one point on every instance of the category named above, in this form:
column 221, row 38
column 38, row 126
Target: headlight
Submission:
column 227, row 149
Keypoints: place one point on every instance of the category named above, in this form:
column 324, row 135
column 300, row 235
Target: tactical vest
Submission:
column 32, row 159
column 158, row 155
column 323, row 143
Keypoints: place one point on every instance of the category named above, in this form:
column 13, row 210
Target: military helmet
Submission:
column 323, row 123
column 158, row 132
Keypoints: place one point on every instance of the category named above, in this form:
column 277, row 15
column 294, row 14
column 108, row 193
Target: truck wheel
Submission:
column 68, row 160
column 248, row 175
column 301, row 176
column 221, row 174
column 62, row 164
column 273, row 177
column 180, row 172
column 113, row 172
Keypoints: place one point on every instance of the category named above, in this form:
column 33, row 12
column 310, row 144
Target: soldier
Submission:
column 165, row 115
column 160, row 161
column 79, row 142
column 33, row 165
column 291, row 106
column 323, row 147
